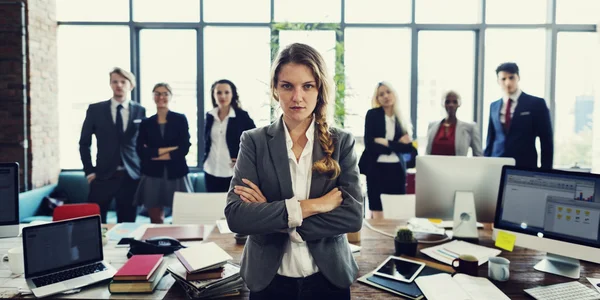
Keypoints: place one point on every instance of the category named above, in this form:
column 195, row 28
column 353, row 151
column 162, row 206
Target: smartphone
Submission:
column 124, row 242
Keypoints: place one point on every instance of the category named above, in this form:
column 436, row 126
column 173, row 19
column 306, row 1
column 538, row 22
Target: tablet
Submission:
column 400, row 269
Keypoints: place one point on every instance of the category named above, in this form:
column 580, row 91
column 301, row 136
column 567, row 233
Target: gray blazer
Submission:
column 263, row 160
column 467, row 135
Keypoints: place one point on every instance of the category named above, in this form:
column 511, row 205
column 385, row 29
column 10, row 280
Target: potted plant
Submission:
column 405, row 243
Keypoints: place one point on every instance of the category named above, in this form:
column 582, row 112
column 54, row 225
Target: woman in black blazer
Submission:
column 222, row 131
column 163, row 142
column 386, row 139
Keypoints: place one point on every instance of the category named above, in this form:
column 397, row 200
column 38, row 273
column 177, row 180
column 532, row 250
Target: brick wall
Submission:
column 34, row 117
column 12, row 111
column 43, row 97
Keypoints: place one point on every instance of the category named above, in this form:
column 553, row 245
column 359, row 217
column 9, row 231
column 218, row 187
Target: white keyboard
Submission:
column 560, row 291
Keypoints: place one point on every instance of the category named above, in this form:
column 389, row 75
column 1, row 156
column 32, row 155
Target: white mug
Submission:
column 498, row 268
column 15, row 260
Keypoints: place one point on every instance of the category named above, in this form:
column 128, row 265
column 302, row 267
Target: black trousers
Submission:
column 315, row 286
column 216, row 184
column 121, row 187
column 385, row 178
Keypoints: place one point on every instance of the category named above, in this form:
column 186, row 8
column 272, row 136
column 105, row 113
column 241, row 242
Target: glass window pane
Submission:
column 367, row 66
column 515, row 11
column 378, row 11
column 576, row 72
column 245, row 11
column 86, row 54
column 318, row 11
column 166, row 11
column 248, row 69
column 324, row 42
column 170, row 56
column 578, row 11
column 448, row 12
column 438, row 74
column 80, row 10
column 531, row 61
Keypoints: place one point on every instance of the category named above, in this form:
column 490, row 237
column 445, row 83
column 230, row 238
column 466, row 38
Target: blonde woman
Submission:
column 295, row 190
column 452, row 136
column 387, row 137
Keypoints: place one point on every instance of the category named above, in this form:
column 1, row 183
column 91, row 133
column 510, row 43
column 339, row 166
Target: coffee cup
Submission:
column 15, row 260
column 498, row 268
column 466, row 264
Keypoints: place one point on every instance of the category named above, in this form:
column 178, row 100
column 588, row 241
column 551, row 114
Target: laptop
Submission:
column 65, row 255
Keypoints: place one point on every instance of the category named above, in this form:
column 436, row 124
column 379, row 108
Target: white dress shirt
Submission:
column 297, row 261
column 218, row 162
column 390, row 131
column 124, row 111
column 514, row 97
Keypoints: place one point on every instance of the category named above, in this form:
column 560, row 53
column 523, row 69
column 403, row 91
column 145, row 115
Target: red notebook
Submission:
column 139, row 267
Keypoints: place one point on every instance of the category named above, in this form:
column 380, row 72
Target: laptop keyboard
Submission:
column 68, row 274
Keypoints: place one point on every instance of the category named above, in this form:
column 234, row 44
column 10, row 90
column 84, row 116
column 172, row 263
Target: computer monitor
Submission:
column 438, row 178
column 553, row 211
column 9, row 199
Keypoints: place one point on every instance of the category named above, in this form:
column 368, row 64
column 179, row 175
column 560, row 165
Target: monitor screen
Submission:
column 9, row 193
column 68, row 244
column 552, row 204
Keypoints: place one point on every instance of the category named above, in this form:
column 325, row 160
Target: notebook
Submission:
column 407, row 290
column 180, row 233
column 202, row 257
column 139, row 267
column 461, row 286
column 447, row 252
column 139, row 286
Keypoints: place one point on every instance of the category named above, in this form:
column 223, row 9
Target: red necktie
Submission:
column 507, row 116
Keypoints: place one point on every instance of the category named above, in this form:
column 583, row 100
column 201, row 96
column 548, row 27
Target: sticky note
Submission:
column 505, row 240
column 435, row 221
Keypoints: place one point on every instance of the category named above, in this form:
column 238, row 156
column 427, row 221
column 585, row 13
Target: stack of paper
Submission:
column 447, row 252
column 461, row 286
column 229, row 285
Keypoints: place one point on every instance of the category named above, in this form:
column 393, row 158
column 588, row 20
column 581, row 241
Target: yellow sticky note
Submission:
column 435, row 221
column 506, row 240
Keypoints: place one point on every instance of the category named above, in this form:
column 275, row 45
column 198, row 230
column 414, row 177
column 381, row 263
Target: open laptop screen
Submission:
column 61, row 245
column 9, row 193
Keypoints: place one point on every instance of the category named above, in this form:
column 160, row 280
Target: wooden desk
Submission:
column 377, row 247
column 113, row 255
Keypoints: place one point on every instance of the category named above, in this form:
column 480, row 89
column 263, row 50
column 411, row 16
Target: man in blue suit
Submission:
column 516, row 120
column 115, row 124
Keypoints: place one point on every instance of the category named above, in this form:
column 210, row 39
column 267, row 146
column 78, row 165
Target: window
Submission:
column 241, row 55
column 237, row 11
column 170, row 56
column 577, row 58
column 367, row 63
column 448, row 12
column 577, row 11
column 308, row 11
column 438, row 74
column 166, row 11
column 106, row 10
column 378, row 11
column 516, row 12
column 86, row 54
column 500, row 47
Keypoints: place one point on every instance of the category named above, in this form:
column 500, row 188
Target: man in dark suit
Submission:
column 115, row 123
column 516, row 121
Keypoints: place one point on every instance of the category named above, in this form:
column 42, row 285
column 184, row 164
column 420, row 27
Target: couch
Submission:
column 73, row 184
